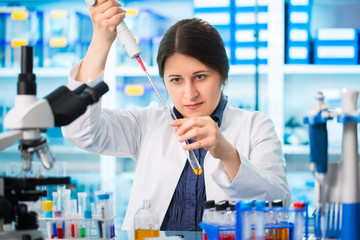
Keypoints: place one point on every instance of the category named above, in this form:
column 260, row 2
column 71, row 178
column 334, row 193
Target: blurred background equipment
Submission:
column 294, row 38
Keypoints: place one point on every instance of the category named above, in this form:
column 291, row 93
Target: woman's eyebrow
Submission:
column 174, row 75
column 201, row 71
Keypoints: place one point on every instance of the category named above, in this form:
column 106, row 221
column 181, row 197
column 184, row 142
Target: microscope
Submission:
column 28, row 120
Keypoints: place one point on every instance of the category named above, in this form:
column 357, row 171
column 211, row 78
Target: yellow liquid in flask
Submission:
column 141, row 234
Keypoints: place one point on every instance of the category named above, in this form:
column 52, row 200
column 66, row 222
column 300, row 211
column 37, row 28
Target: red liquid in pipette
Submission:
column 141, row 63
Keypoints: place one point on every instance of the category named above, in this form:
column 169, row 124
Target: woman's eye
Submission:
column 200, row 76
column 175, row 80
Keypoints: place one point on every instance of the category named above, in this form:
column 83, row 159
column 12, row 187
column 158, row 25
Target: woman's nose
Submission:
column 190, row 90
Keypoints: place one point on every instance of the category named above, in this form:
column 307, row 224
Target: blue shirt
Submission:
column 187, row 204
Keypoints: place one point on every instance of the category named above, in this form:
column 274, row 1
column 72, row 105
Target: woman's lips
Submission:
column 193, row 106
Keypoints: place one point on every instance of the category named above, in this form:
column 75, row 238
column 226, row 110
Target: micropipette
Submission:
column 128, row 42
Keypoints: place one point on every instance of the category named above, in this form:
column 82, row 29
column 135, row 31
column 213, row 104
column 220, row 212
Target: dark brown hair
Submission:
column 194, row 38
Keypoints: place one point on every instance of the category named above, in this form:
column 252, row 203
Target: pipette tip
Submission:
column 141, row 63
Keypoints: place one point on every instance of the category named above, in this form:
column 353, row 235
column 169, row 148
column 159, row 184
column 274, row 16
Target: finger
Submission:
column 104, row 6
column 193, row 146
column 101, row 2
column 190, row 124
column 195, row 133
column 114, row 20
column 111, row 12
column 177, row 122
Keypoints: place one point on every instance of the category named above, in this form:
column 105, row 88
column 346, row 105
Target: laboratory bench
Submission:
column 188, row 235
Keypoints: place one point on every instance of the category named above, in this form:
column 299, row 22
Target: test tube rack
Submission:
column 216, row 232
column 95, row 228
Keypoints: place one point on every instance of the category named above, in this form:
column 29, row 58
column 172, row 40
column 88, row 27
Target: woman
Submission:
column 238, row 150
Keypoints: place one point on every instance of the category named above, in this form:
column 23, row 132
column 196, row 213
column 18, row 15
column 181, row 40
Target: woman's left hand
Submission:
column 206, row 134
column 204, row 131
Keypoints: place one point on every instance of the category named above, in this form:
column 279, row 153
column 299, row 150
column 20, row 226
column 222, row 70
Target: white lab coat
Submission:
column 144, row 135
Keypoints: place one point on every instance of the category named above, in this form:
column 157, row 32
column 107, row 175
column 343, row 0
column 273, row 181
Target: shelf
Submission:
column 321, row 69
column 135, row 71
column 247, row 69
column 128, row 71
column 39, row 72
column 305, row 150
column 56, row 149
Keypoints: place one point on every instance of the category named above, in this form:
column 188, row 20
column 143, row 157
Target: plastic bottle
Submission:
column 208, row 215
column 146, row 222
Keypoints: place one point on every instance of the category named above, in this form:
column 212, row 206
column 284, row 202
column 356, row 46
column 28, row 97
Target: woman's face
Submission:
column 194, row 88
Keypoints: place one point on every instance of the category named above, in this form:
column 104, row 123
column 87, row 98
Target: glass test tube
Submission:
column 281, row 218
column 259, row 219
column 269, row 233
column 231, row 218
column 88, row 216
column 59, row 224
column 246, row 219
column 104, row 208
column 221, row 218
column 110, row 214
column 82, row 196
column 74, row 223
column 67, row 212
column 208, row 215
column 299, row 220
column 46, row 207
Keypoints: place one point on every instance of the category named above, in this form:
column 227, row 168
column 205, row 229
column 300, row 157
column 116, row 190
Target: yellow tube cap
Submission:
column 46, row 206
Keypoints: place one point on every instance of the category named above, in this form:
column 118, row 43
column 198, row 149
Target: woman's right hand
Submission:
column 105, row 16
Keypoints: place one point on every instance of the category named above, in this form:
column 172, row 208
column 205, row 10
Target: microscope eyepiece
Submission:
column 26, row 80
column 92, row 94
column 27, row 53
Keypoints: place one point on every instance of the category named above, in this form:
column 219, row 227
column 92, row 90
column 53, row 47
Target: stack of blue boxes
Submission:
column 336, row 46
column 239, row 23
column 2, row 40
column 22, row 27
column 67, row 35
column 60, row 37
column 298, row 32
column 250, row 20
column 219, row 14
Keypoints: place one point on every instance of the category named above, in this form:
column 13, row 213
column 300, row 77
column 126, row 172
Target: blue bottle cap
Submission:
column 238, row 205
column 48, row 214
column 87, row 214
column 246, row 205
column 260, row 203
column 103, row 196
